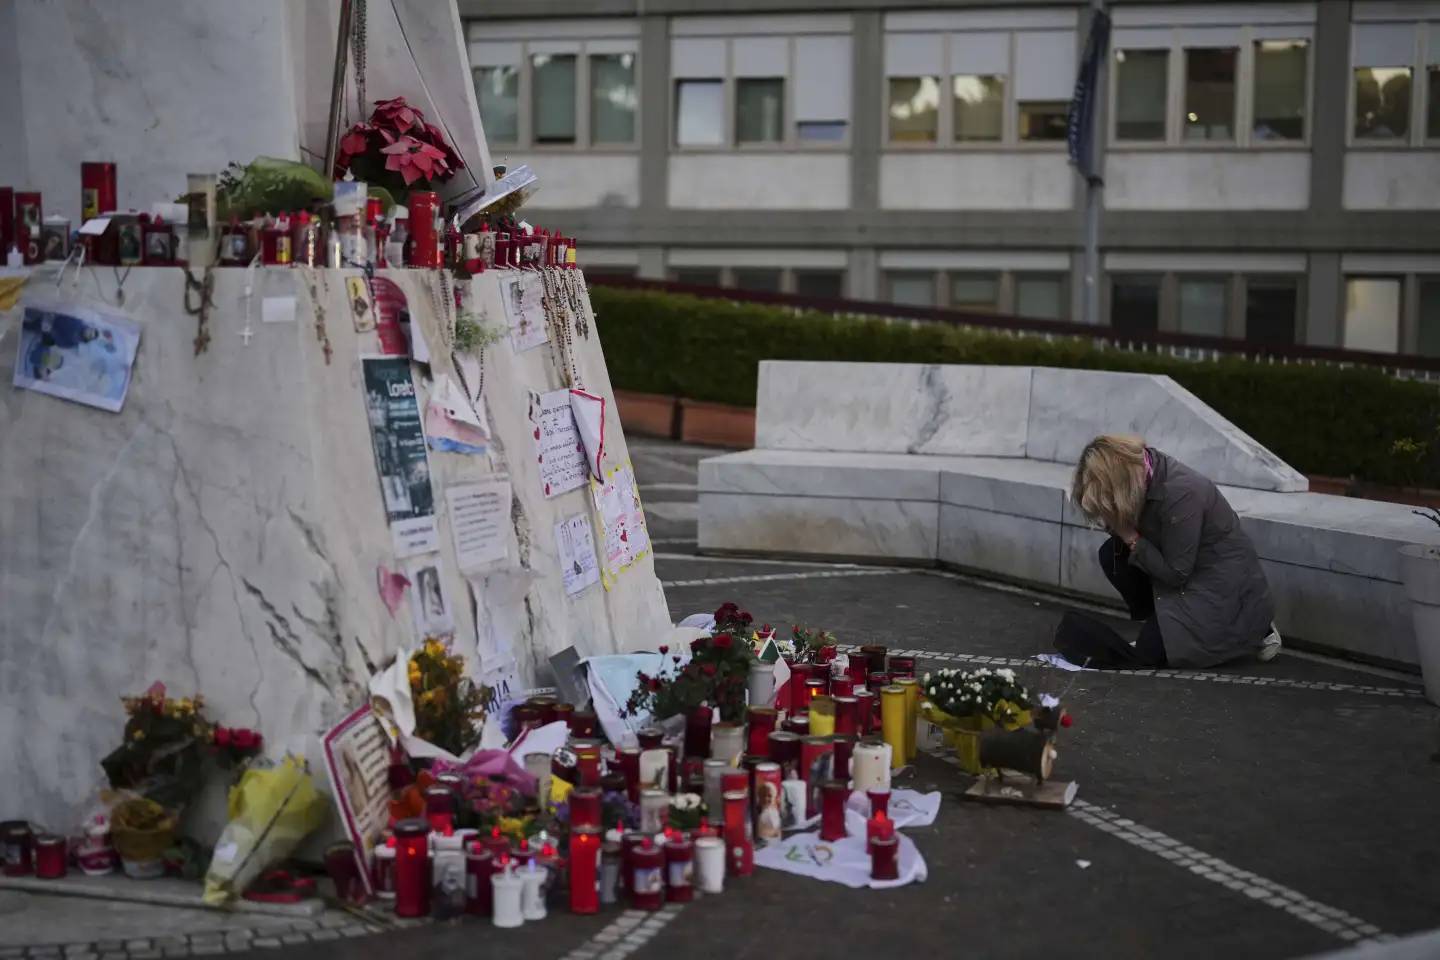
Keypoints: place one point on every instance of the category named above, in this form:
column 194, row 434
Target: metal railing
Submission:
column 1184, row 346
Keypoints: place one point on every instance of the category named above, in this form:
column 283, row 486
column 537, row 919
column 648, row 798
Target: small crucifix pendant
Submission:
column 246, row 334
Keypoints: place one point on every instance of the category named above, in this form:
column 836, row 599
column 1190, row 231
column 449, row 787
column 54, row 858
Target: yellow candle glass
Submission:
column 822, row 717
column 911, row 686
column 892, row 723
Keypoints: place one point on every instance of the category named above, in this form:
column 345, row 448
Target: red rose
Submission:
column 1066, row 720
column 745, row 617
column 245, row 740
column 664, row 649
column 709, row 669
column 723, row 641
column 698, row 644
column 222, row 736
column 654, row 683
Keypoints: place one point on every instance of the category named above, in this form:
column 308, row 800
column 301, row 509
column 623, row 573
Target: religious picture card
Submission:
column 558, row 448
column 77, row 353
column 428, row 603
column 399, row 444
column 522, row 295
column 576, row 545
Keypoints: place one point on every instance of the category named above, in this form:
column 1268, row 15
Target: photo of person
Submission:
column 768, row 822
column 428, row 603
column 55, row 241
column 77, row 354
column 157, row 247
column 130, row 242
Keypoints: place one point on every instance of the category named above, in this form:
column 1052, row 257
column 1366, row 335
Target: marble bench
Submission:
column 1331, row 561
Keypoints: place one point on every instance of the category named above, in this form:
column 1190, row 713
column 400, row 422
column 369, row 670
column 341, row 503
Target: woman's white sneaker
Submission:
column 1271, row 645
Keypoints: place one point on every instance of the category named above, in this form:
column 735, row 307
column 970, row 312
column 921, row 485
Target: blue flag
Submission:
column 1080, row 132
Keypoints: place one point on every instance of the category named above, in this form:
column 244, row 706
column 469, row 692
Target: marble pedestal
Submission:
column 222, row 532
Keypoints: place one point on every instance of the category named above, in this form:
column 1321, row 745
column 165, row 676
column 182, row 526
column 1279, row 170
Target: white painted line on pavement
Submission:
column 703, row 558
column 675, row 541
column 645, row 488
column 1331, row 920
column 628, row 933
column 764, row 577
column 1199, row 676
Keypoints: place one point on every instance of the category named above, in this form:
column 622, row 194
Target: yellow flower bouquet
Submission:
column 449, row 707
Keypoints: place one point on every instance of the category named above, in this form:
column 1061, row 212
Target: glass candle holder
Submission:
column 841, row 686
column 859, row 671
column 738, row 845
column 587, row 762
column 762, row 722
column 817, row 764
column 647, row 882
column 628, row 760
column 911, row 686
column 844, row 749
column 885, row 858
column 382, row 870
column 822, row 716
column 815, row 687
column 697, row 731
column 584, row 869
column 412, row 868
column 727, row 742
column 565, row 713
column 902, row 667
column 650, row 738
column 800, row 674
column 679, row 870
column 833, row 794
column 546, row 706
column 879, row 798
column 654, row 769
column 714, row 773
column 585, row 807
column 507, row 892
column 760, row 684
column 870, row 765
column 879, row 680
column 479, row 867
column 866, row 706
column 799, row 723
column 563, row 765
column 878, row 824
column 609, row 873
column 768, row 799
column 710, row 864
column 847, row 715
column 874, row 654
column 654, row 810
column 629, row 841
column 892, row 724
column 439, row 807
column 785, row 749
column 52, row 855
column 583, row 723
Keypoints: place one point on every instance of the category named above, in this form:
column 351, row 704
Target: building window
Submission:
column 1272, row 307
column 553, row 80
column 497, row 91
column 1281, row 68
column 975, row 291
column 911, row 288
column 1040, row 296
column 758, row 280
column 1135, row 304
column 1382, row 103
column 914, row 109
column 1428, row 341
column 1210, row 93
column 1141, row 91
column 1044, row 120
column 825, row 284
column 1204, row 303
column 821, row 131
column 696, row 276
column 612, row 98
column 1432, row 101
column 979, row 107
column 759, row 110
column 1372, row 313
column 700, row 113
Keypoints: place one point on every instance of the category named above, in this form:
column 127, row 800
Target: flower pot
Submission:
column 963, row 733
column 1420, row 569
column 648, row 414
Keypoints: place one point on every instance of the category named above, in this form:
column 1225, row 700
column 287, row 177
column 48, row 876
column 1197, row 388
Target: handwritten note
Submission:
column 524, row 311
column 478, row 515
column 622, row 521
column 558, row 449
column 576, row 545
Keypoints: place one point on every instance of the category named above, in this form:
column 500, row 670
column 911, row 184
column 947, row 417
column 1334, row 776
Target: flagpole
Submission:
column 1094, row 187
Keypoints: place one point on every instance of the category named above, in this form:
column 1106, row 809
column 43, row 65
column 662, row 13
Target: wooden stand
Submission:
column 1053, row 794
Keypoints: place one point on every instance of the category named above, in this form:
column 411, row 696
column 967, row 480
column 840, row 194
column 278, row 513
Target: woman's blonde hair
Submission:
column 1109, row 485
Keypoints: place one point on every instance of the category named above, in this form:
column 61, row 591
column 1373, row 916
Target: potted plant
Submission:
column 715, row 675
column 397, row 150
column 965, row 703
column 1420, row 569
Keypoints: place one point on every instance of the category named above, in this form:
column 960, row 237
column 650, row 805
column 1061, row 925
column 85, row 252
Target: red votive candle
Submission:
column 629, row 841
column 424, row 240
column 816, row 686
column 833, row 794
column 799, row 695
column 564, row 765
column 738, row 846
column 29, row 215
column 697, row 732
column 874, row 654
column 19, row 845
column 885, row 858
column 582, row 724
column 7, row 220
column 847, row 715
column 647, row 883
column 878, row 825
column 97, row 189
column 478, row 891
column 679, row 870
column 51, row 854
column 499, row 846
column 826, row 653
column 865, row 711
column 879, row 800
column 651, row 738
column 902, row 667
column 785, row 748
column 859, row 671
column 546, row 706
column 439, row 808
column 628, row 760
column 878, row 679
column 798, row 724
column 762, row 723
column 584, row 869
column 613, row 782
column 412, row 868
column 585, row 806
column 841, row 686
column 527, row 717
column 587, row 762
column 817, row 764
column 844, row 748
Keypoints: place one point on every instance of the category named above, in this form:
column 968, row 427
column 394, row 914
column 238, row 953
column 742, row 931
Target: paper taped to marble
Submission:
column 429, row 605
column 479, row 515
column 576, row 545
column 624, row 536
column 525, row 311
column 589, row 411
column 453, row 423
column 76, row 352
column 558, row 449
column 391, row 310
column 399, row 444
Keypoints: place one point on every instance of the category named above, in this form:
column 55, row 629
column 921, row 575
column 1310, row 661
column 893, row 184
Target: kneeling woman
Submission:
column 1178, row 557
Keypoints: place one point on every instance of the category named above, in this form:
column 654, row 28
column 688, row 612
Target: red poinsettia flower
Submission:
column 415, row 160
column 397, row 114
column 356, row 140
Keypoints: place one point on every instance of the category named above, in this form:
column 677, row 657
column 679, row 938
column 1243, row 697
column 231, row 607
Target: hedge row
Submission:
column 1322, row 420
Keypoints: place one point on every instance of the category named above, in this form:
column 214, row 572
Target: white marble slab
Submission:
column 1348, row 613
column 881, row 476
column 1070, row 407
column 892, row 408
column 819, row 526
column 1000, row 543
column 1024, row 488
column 1079, row 563
column 222, row 533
